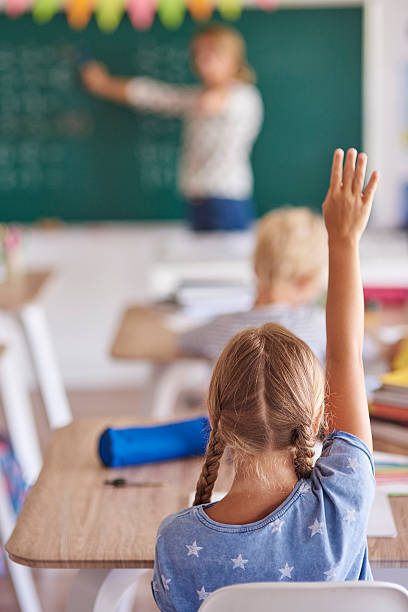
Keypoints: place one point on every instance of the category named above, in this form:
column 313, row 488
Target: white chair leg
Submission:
column 42, row 352
column 21, row 576
column 104, row 590
column 167, row 385
column 118, row 591
column 84, row 590
column 170, row 380
column 19, row 416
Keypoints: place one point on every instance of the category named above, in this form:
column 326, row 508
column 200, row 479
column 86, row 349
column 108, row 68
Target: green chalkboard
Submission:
column 64, row 154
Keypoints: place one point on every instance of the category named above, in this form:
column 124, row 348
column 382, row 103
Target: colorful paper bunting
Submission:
column 141, row 13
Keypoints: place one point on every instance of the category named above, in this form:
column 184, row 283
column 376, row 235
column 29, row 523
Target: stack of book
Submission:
column 389, row 408
column 391, row 473
column 206, row 298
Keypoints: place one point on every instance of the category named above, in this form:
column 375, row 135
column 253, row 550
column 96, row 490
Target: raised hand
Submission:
column 346, row 210
column 347, row 207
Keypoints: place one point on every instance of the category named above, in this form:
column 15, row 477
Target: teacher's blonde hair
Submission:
column 232, row 40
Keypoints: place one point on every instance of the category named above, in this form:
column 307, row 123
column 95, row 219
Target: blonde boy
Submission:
column 290, row 262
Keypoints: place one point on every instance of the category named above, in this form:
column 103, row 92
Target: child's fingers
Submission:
column 371, row 187
column 337, row 169
column 359, row 174
column 348, row 173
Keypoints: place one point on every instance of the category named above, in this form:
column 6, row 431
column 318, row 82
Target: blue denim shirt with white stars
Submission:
column 318, row 533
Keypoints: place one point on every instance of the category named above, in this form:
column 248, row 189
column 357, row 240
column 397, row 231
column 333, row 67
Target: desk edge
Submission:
column 81, row 564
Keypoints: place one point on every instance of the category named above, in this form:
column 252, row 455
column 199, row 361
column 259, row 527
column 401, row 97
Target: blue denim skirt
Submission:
column 221, row 214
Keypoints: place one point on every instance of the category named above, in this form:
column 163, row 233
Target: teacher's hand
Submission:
column 96, row 78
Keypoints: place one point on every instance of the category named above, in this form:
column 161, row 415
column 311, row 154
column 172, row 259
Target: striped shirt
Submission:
column 307, row 322
column 215, row 160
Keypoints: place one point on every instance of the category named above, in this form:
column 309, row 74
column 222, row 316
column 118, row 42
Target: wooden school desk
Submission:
column 71, row 519
column 19, row 303
column 142, row 334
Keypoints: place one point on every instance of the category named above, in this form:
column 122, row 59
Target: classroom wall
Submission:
column 386, row 107
column 64, row 154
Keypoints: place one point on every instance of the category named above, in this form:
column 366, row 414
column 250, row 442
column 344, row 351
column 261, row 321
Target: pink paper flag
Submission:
column 268, row 5
column 141, row 13
column 15, row 8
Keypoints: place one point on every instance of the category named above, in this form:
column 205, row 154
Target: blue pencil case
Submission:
column 137, row 445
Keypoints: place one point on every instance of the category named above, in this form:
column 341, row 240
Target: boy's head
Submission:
column 290, row 255
column 218, row 55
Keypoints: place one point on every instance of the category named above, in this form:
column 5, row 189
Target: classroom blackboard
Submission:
column 64, row 154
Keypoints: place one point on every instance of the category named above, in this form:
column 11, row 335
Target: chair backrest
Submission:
column 308, row 597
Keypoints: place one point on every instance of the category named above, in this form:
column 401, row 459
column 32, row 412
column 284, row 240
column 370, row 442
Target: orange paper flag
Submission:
column 200, row 9
column 79, row 13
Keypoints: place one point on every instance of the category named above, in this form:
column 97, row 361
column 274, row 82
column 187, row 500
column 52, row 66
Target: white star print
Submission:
column 352, row 463
column 316, row 527
column 166, row 582
column 277, row 525
column 286, row 571
column 350, row 516
column 305, row 487
column 331, row 572
column 202, row 594
column 239, row 562
column 193, row 548
column 155, row 587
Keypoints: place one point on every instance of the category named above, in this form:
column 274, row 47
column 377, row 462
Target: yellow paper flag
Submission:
column 230, row 9
column 44, row 10
column 108, row 14
column 171, row 13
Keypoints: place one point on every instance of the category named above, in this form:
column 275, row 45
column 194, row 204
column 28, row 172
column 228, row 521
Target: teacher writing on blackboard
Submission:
column 222, row 119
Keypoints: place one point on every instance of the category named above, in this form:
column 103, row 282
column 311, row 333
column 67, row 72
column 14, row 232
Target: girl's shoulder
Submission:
column 342, row 443
column 344, row 471
column 172, row 521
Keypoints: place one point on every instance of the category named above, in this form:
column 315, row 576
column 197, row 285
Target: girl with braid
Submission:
column 283, row 518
